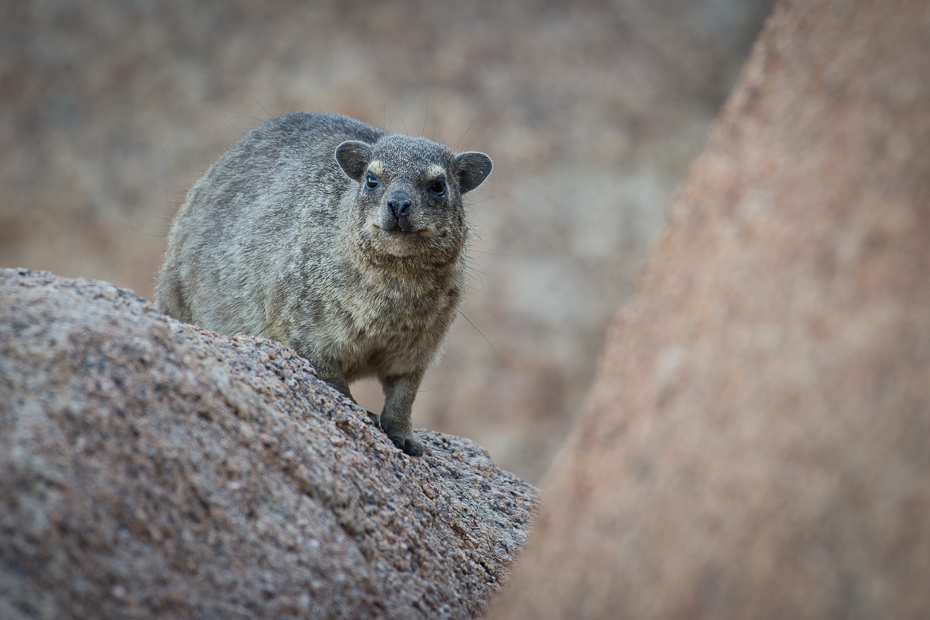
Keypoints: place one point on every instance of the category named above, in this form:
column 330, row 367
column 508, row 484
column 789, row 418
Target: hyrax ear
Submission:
column 353, row 157
column 471, row 169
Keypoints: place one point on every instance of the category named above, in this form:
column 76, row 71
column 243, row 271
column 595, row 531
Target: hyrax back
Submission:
column 342, row 242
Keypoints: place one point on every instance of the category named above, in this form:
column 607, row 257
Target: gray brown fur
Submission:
column 283, row 238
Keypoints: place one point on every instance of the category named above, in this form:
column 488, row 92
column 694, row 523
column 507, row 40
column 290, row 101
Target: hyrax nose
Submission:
column 399, row 203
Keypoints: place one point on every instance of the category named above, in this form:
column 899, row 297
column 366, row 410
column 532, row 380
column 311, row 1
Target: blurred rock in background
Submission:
column 109, row 111
column 757, row 440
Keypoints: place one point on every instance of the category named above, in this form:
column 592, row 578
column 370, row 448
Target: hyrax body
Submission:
column 336, row 239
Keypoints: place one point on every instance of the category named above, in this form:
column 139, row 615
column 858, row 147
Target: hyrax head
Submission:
column 409, row 201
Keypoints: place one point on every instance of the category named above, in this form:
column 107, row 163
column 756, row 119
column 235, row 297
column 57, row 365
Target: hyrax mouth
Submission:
column 398, row 226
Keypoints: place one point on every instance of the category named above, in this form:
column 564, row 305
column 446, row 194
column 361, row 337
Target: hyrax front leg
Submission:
column 399, row 392
column 334, row 378
column 338, row 381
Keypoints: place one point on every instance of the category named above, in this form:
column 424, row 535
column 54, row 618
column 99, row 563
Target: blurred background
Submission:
column 591, row 111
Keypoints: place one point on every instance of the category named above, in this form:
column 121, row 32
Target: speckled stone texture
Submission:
column 153, row 469
column 757, row 443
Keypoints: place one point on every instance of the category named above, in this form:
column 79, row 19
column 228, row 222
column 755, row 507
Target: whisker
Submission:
column 455, row 147
column 477, row 330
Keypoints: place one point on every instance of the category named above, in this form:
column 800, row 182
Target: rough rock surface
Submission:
column 153, row 469
column 757, row 443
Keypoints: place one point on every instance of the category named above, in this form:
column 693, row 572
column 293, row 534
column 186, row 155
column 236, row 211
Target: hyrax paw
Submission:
column 401, row 435
column 409, row 445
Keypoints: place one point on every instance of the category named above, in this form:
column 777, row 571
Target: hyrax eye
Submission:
column 371, row 182
column 438, row 187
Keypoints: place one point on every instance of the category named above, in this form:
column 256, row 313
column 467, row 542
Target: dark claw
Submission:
column 412, row 448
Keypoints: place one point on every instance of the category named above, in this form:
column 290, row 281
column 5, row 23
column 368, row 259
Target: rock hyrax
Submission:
column 340, row 241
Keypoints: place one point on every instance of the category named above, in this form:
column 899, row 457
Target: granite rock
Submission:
column 154, row 469
column 757, row 442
